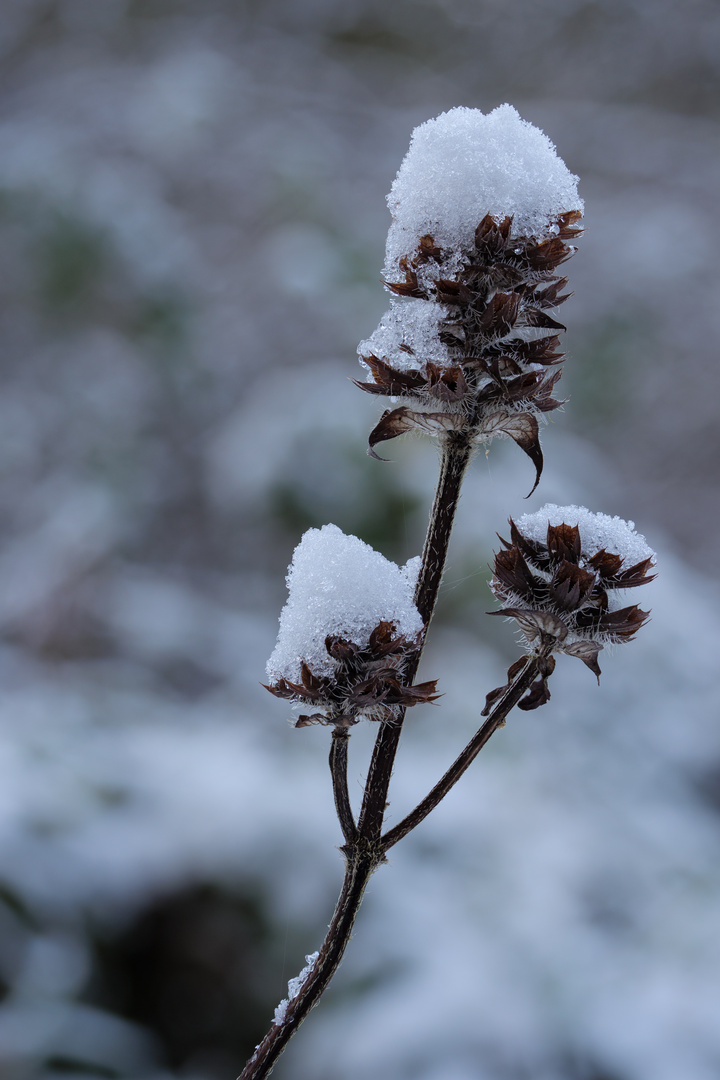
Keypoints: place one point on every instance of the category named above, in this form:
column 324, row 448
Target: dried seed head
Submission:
column 347, row 631
column 560, row 577
column 482, row 210
column 366, row 681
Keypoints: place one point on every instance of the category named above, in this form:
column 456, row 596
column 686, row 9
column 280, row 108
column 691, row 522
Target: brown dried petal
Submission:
column 549, row 254
column 550, row 296
column 340, row 648
column 587, row 651
column 533, row 623
column 390, row 381
column 570, row 585
column 537, row 695
column 563, row 542
column 534, row 552
column 403, row 419
column 532, row 316
column 522, row 428
column 606, row 563
column 494, row 696
column 314, row 718
column 501, row 313
column 624, row 623
column 392, row 423
column 491, row 236
column 382, row 639
column 422, row 693
column 428, row 248
column 567, row 223
column 513, row 573
column 447, row 384
column 634, row 575
column 312, row 683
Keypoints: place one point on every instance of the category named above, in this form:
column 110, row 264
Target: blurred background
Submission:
column 192, row 225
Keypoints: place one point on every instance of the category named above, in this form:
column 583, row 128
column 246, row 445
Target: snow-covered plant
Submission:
column 483, row 212
column 347, row 632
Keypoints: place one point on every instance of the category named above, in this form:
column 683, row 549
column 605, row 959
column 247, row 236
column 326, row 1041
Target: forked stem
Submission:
column 364, row 849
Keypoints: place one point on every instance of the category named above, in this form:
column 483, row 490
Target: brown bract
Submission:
column 560, row 599
column 367, row 681
column 502, row 375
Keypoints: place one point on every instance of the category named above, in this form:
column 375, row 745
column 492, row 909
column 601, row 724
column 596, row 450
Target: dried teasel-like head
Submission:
column 561, row 577
column 470, row 342
column 366, row 681
column 347, row 632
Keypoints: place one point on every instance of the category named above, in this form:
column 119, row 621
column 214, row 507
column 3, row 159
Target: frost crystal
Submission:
column 597, row 531
column 339, row 585
column 294, row 987
column 408, row 336
column 463, row 165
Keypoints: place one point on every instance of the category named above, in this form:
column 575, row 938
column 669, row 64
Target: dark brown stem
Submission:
column 361, row 860
column 363, row 850
column 456, row 452
column 495, row 720
column 338, row 771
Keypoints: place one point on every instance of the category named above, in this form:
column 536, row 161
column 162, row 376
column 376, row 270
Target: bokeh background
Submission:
column 192, row 222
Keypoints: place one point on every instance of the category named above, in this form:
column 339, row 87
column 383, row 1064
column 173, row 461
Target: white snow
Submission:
column 414, row 324
column 294, row 986
column 465, row 164
column 339, row 585
column 597, row 531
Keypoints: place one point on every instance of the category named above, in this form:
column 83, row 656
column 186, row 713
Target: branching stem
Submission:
column 364, row 847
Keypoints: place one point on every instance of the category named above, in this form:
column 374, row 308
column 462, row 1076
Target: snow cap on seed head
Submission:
column 465, row 164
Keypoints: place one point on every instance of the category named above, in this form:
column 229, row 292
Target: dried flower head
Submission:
column 347, row 632
column 366, row 681
column 483, row 209
column 561, row 576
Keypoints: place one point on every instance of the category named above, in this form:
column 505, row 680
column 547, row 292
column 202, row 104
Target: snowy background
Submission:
column 192, row 225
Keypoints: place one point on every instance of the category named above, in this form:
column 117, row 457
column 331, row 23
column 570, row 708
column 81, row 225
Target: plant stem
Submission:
column 456, row 452
column 495, row 720
column 363, row 849
column 338, row 771
column 361, row 860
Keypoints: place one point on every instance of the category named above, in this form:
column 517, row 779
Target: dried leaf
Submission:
column 587, row 651
column 522, row 428
column 391, row 424
column 308, row 721
column 537, row 695
column 533, row 623
column 501, row 313
column 635, row 575
column 570, row 585
column 624, row 623
column 390, row 381
column 563, row 542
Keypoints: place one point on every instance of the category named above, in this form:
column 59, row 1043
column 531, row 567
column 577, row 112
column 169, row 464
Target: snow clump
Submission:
column 597, row 532
column 408, row 336
column 465, row 164
column 294, row 987
column 339, row 585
